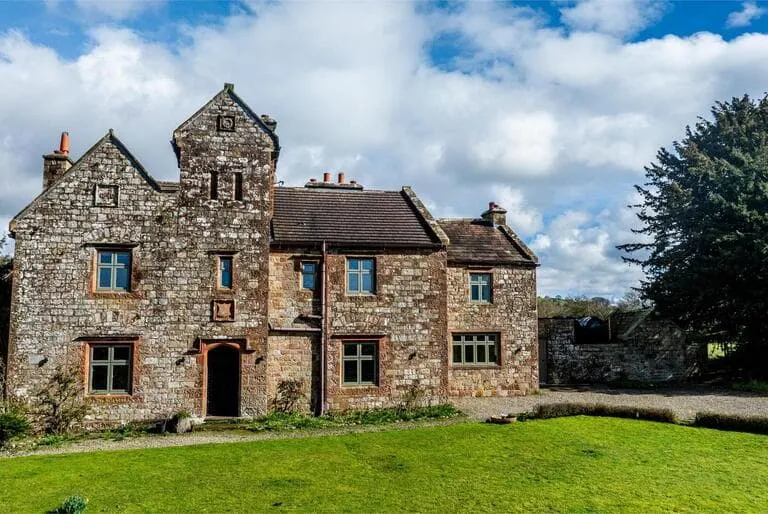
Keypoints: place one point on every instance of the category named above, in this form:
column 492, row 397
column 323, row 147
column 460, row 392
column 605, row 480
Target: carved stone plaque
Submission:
column 106, row 196
column 225, row 123
column 223, row 310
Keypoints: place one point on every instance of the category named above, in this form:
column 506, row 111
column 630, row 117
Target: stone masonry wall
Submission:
column 655, row 351
column 407, row 317
column 174, row 238
column 294, row 356
column 512, row 315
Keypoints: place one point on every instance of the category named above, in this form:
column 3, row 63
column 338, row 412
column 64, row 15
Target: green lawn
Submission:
column 567, row 464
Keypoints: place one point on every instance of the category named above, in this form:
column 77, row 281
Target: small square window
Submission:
column 225, row 272
column 110, row 369
column 113, row 271
column 480, row 287
column 361, row 276
column 361, row 363
column 309, row 275
column 475, row 349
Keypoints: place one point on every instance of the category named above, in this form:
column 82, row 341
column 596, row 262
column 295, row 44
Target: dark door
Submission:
column 223, row 381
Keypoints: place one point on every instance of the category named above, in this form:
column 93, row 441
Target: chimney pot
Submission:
column 326, row 177
column 63, row 145
column 341, row 178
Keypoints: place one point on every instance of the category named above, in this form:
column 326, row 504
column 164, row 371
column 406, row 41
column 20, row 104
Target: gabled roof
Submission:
column 349, row 217
column 229, row 90
column 479, row 242
column 109, row 137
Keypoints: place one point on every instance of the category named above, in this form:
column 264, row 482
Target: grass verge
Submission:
column 575, row 464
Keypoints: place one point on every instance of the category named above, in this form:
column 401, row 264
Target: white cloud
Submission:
column 615, row 17
column 744, row 18
column 554, row 125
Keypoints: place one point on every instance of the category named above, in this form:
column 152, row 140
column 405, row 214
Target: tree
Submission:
column 704, row 215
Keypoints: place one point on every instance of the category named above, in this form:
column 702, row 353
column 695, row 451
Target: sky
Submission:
column 550, row 109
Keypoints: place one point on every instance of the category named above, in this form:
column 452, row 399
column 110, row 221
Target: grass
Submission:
column 575, row 464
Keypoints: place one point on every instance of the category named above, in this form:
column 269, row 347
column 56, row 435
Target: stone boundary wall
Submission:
column 653, row 350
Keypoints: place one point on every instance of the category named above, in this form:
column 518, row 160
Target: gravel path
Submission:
column 686, row 403
column 202, row 437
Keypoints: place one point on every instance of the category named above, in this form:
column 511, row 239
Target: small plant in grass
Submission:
column 74, row 504
column 735, row 422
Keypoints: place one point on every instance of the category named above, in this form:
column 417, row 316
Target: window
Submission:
column 109, row 369
column 480, row 287
column 360, row 275
column 309, row 275
column 225, row 272
column 113, row 270
column 214, row 185
column 474, row 349
column 360, row 363
column 238, row 186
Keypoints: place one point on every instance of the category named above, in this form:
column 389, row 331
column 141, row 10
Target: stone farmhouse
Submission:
column 212, row 293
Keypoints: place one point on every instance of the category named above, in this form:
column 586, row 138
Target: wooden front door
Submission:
column 223, row 387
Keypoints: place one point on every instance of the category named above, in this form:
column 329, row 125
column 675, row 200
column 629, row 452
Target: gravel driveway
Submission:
column 686, row 403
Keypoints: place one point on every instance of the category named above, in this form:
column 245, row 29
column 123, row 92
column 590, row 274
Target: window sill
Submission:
column 361, row 295
column 475, row 366
column 113, row 295
column 112, row 398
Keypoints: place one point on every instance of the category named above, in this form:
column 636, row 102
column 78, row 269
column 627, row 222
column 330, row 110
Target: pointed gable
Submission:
column 227, row 94
column 107, row 161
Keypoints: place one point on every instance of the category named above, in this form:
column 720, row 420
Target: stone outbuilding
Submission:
column 223, row 293
column 636, row 346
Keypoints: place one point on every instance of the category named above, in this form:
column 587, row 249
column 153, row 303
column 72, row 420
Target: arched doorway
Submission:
column 223, row 387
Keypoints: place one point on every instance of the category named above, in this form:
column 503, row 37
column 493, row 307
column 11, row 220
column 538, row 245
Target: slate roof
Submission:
column 478, row 242
column 358, row 218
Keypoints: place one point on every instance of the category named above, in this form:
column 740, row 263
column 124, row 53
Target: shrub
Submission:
column 289, row 393
column 61, row 405
column 556, row 410
column 13, row 424
column 74, row 504
column 752, row 386
column 735, row 422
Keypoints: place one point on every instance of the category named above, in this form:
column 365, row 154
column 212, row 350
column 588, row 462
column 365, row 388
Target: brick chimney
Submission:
column 495, row 215
column 57, row 163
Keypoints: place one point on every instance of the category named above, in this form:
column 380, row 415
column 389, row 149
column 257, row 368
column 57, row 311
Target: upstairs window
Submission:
column 480, row 287
column 109, row 369
column 113, row 270
column 475, row 349
column 309, row 275
column 225, row 272
column 238, row 186
column 214, row 185
column 360, row 276
column 360, row 363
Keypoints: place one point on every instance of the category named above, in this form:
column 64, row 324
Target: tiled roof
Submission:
column 476, row 241
column 365, row 218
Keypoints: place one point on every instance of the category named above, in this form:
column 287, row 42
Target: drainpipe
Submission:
column 323, row 329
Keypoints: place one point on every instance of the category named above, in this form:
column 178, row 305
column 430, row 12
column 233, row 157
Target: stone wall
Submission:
column 647, row 350
column 512, row 315
column 294, row 356
column 407, row 318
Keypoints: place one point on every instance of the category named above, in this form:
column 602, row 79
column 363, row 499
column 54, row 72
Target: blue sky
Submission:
column 549, row 108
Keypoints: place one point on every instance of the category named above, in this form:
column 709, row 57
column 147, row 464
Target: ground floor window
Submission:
column 109, row 368
column 360, row 363
column 474, row 349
